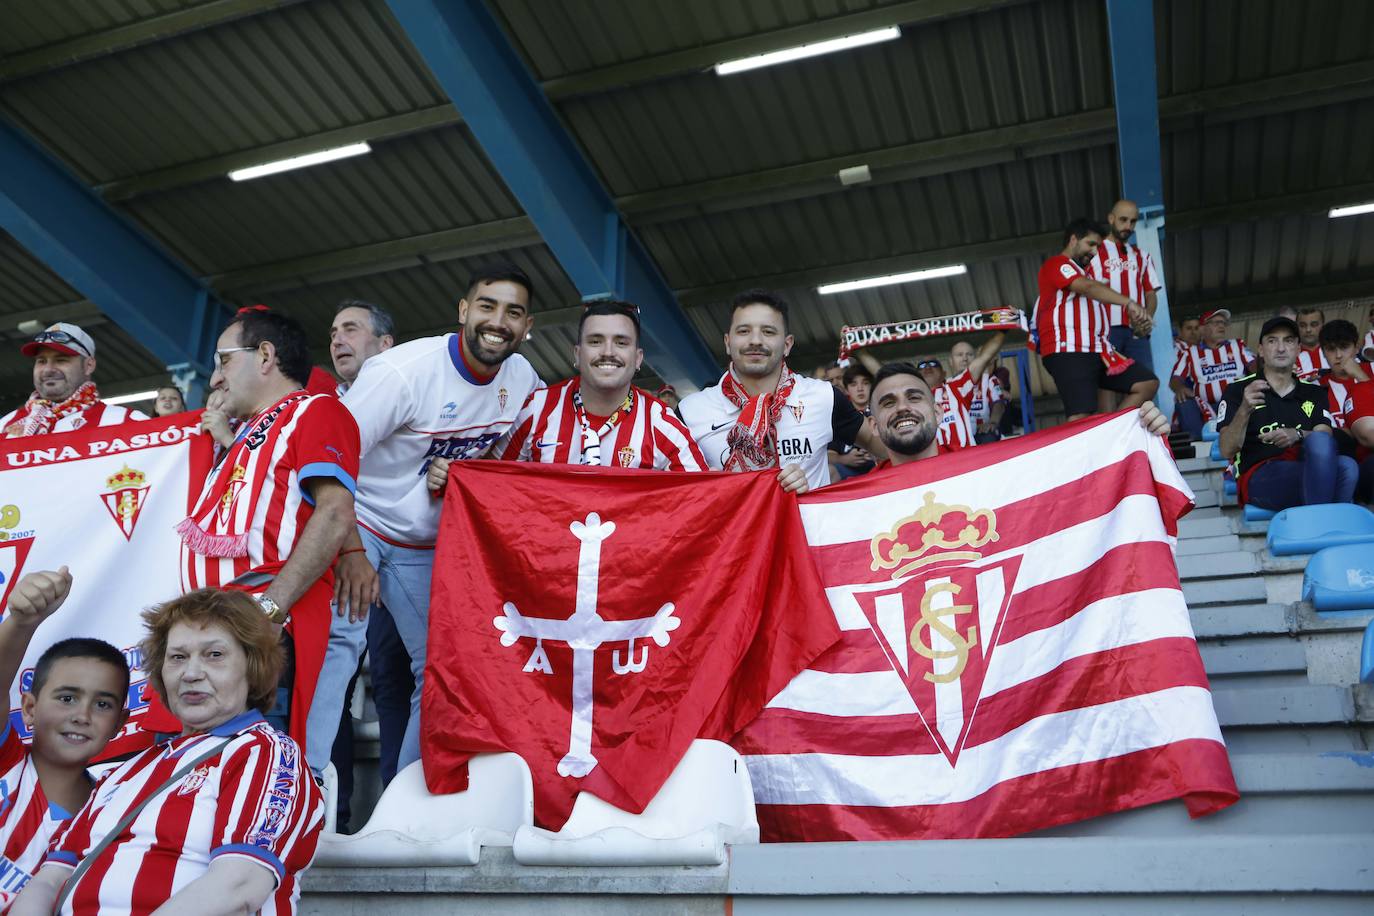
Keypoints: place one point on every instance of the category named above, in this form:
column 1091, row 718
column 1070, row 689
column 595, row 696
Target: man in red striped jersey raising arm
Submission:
column 1072, row 324
column 72, row 707
column 278, row 504
column 598, row 417
column 1208, row 367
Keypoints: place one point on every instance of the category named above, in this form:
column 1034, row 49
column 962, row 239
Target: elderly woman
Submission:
column 222, row 818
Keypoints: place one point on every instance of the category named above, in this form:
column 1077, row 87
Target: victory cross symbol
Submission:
column 584, row 632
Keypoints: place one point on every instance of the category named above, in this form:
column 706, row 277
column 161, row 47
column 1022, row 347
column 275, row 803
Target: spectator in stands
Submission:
column 1007, row 425
column 907, row 418
column 762, row 415
column 274, row 512
column 990, row 400
column 1276, row 430
column 1339, row 341
column 72, row 707
column 1071, row 322
column 1359, row 415
column 360, row 331
column 1131, row 272
column 232, row 818
column 168, row 401
column 598, row 417
column 1367, row 344
column 852, row 461
column 64, row 396
column 1311, row 358
column 419, row 406
column 1288, row 312
column 1189, row 333
column 1207, row 368
column 668, row 395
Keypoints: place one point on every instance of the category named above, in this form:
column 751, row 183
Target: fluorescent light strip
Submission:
column 1352, row 210
column 933, row 273
column 300, row 162
column 131, row 398
column 811, row 50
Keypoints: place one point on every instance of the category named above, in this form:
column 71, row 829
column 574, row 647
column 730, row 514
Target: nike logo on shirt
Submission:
column 716, row 426
column 546, row 444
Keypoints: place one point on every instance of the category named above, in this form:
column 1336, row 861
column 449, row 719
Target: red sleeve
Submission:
column 325, row 442
column 12, row 748
column 269, row 809
column 1057, row 273
column 1360, row 403
column 511, row 449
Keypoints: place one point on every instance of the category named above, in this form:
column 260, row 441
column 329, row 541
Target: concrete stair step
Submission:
column 1222, row 543
column 1306, row 704
column 1218, row 565
column 1229, row 621
column 1204, row 499
column 1206, row 592
column 1193, row 526
column 1202, row 463
column 1275, row 655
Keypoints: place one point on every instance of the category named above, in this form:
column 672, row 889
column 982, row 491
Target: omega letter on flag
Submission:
column 1016, row 652
column 596, row 621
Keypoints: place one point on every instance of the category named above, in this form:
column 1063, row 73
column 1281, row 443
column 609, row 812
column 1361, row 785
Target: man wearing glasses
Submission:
column 64, row 397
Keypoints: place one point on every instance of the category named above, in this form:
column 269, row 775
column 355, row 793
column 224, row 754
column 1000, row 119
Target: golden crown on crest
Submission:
column 126, row 478
column 933, row 533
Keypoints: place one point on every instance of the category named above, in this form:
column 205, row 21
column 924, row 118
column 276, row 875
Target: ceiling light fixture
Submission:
column 1352, row 210
column 933, row 273
column 131, row 398
column 812, row 50
column 300, row 162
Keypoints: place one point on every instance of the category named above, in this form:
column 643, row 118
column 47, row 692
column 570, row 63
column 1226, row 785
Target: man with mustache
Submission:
column 762, row 415
column 64, row 397
column 908, row 418
column 419, row 406
column 598, row 417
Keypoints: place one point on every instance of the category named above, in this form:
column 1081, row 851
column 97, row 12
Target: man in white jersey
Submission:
column 598, row 417
column 419, row 406
column 64, row 396
column 72, row 706
column 762, row 415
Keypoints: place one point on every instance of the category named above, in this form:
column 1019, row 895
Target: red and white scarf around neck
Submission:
column 753, row 440
column 39, row 415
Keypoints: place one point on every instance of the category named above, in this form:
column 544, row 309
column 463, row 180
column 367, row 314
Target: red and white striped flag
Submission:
column 1016, row 652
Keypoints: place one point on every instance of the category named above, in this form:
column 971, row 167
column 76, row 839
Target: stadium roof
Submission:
column 985, row 127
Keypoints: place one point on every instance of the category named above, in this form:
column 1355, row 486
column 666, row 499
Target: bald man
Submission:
column 1129, row 271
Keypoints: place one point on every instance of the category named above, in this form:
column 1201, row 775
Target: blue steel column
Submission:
column 1131, row 25
column 86, row 243
column 513, row 121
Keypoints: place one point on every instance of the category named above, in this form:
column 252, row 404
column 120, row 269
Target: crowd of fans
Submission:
column 312, row 541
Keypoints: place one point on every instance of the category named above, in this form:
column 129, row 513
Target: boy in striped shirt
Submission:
column 72, row 705
column 598, row 417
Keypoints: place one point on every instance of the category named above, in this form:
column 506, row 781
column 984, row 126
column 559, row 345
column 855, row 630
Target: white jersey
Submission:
column 99, row 413
column 420, row 401
column 986, row 393
column 816, row 414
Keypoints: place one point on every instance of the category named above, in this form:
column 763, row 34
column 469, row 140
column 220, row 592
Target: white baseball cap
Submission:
column 62, row 337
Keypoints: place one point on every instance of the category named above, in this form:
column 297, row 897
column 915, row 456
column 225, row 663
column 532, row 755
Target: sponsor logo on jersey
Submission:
column 797, row 410
column 449, row 411
column 194, row 780
column 794, row 448
column 626, row 456
column 1220, row 372
column 502, row 395
column 1308, row 407
column 458, row 448
column 126, row 491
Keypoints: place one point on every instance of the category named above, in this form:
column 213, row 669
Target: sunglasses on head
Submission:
column 58, row 337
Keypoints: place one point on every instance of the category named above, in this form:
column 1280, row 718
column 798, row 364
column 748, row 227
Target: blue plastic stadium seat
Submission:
column 1367, row 655
column 1340, row 578
column 1228, row 485
column 1209, row 431
column 1256, row 514
column 1307, row 529
column 1216, row 450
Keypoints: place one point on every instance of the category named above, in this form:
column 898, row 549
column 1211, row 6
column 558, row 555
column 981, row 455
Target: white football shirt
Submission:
column 816, row 414
column 420, row 401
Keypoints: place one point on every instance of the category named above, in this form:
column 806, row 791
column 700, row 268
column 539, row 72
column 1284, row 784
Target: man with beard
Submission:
column 597, row 417
column 1276, row 431
column 762, row 415
column 908, row 421
column 1072, row 327
column 419, row 406
column 64, row 397
column 1311, row 358
column 1131, row 272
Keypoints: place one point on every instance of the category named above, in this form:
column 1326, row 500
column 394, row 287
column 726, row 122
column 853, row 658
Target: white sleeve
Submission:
column 380, row 401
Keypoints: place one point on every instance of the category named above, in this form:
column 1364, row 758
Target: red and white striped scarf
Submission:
column 753, row 441
column 591, row 438
column 39, row 415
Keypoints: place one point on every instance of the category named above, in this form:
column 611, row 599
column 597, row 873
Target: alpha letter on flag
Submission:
column 1016, row 652
column 595, row 622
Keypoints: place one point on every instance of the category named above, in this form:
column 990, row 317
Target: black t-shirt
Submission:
column 845, row 420
column 1305, row 407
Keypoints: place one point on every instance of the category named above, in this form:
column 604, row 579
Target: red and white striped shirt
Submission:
column 1211, row 369
column 257, row 489
column 1340, row 394
column 1068, row 322
column 27, row 819
column 1126, row 269
column 648, row 436
column 257, row 800
column 952, row 399
column 1367, row 343
column 986, row 394
column 1311, row 362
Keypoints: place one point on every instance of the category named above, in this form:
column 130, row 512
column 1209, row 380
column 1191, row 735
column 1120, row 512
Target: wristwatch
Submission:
column 274, row 611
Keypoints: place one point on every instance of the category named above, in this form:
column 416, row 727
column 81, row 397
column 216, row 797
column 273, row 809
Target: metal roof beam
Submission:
column 1040, row 243
column 96, row 252
column 471, row 58
column 132, row 35
column 1266, row 300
